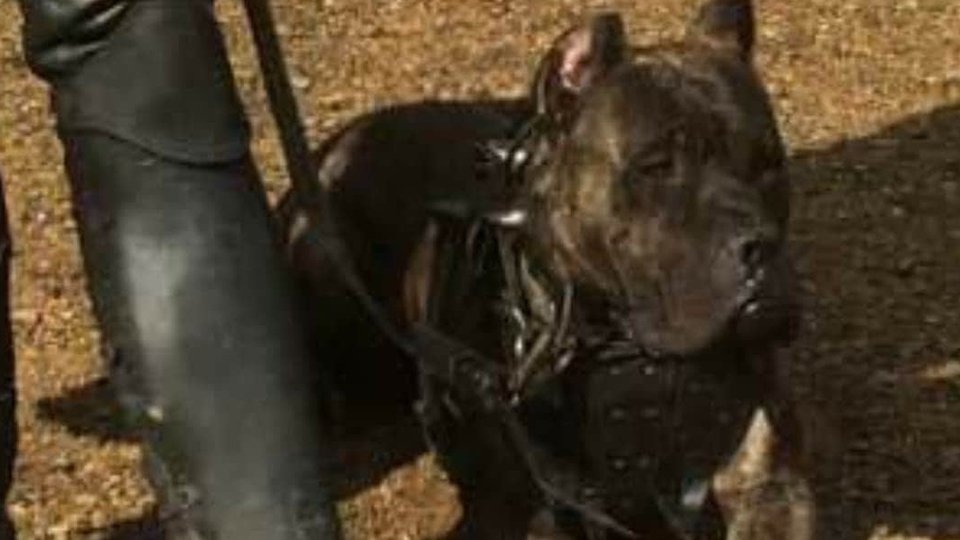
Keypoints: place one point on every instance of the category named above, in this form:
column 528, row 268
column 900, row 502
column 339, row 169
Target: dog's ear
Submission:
column 726, row 25
column 578, row 58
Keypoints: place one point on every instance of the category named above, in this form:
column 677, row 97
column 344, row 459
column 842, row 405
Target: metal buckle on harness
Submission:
column 510, row 157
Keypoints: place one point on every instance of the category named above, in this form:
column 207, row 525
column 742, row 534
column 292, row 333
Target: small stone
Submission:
column 906, row 267
column 950, row 189
column 300, row 82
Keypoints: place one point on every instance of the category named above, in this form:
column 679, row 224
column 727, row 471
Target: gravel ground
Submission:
column 869, row 96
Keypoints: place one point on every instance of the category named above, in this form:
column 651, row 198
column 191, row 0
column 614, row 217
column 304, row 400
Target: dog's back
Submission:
column 383, row 172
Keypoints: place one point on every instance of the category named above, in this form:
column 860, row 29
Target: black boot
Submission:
column 194, row 299
column 8, row 426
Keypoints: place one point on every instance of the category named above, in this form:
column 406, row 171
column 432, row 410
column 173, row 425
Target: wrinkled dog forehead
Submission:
column 659, row 96
column 592, row 80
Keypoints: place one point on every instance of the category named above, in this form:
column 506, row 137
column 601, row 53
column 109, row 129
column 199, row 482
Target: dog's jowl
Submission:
column 595, row 283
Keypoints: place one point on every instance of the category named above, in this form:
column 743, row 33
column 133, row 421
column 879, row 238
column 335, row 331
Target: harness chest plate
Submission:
column 627, row 421
column 657, row 430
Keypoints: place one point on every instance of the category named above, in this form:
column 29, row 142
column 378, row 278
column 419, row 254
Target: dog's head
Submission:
column 660, row 179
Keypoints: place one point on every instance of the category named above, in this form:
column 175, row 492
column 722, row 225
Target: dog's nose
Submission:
column 757, row 250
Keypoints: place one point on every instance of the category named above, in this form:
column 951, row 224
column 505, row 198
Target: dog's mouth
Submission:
column 762, row 314
column 769, row 312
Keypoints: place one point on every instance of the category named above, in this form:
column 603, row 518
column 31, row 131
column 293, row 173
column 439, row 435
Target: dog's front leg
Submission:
column 765, row 491
column 497, row 497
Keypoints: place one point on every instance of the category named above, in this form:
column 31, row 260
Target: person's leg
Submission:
column 8, row 424
column 190, row 289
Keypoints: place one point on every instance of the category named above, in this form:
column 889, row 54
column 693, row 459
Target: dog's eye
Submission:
column 655, row 165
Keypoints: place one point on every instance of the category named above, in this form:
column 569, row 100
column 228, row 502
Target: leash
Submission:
column 300, row 167
column 283, row 102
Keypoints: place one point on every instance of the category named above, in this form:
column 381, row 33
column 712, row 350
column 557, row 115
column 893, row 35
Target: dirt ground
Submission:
column 868, row 92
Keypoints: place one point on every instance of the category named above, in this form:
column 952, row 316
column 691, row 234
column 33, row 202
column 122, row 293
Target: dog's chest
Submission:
column 653, row 432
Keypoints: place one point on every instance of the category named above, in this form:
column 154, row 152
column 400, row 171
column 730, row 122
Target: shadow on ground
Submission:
column 362, row 457
column 877, row 232
column 877, row 227
column 147, row 527
column 89, row 411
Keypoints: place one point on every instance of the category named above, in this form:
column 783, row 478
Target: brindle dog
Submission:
column 648, row 214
